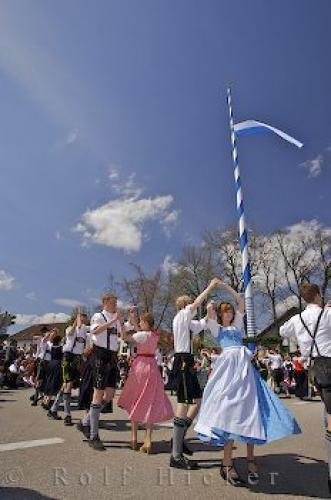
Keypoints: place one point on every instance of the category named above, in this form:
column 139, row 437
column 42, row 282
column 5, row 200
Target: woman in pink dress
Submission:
column 143, row 395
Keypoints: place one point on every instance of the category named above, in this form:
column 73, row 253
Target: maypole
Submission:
column 243, row 128
column 243, row 237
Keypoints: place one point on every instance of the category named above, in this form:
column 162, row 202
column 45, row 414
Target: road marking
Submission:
column 29, row 444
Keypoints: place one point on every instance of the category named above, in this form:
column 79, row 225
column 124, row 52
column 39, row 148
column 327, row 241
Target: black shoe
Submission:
column 32, row 397
column 85, row 429
column 186, row 449
column 225, row 474
column 182, row 463
column 34, row 403
column 53, row 415
column 329, row 485
column 96, row 444
column 67, row 420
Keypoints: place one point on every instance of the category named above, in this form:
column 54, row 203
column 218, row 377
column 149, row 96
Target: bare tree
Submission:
column 149, row 292
column 6, row 320
column 299, row 259
column 323, row 248
column 194, row 272
column 268, row 278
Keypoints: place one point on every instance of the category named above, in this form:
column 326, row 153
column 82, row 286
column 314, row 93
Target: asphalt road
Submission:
column 52, row 461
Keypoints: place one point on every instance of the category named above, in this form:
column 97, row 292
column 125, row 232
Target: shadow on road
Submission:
column 20, row 493
column 289, row 474
column 115, row 425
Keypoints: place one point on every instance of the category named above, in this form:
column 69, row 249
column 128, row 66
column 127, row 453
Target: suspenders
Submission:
column 75, row 341
column 110, row 331
column 313, row 335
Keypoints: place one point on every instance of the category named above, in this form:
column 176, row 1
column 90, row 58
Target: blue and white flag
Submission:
column 255, row 127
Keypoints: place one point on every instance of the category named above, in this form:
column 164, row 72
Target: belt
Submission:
column 147, row 355
column 103, row 349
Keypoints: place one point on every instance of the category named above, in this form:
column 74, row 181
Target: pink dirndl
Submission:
column 143, row 395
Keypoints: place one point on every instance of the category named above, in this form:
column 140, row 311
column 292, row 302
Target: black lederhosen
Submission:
column 277, row 375
column 41, row 374
column 325, row 397
column 325, row 387
column 105, row 371
column 186, row 382
column 71, row 367
column 53, row 377
column 36, row 368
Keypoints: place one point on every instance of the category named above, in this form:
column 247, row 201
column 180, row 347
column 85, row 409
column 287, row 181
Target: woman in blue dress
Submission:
column 237, row 404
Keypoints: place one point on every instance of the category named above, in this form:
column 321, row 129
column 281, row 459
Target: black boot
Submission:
column 182, row 463
column 96, row 444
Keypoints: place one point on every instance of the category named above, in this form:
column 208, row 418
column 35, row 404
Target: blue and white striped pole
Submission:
column 246, row 267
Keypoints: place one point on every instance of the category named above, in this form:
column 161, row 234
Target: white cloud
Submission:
column 314, row 166
column 58, row 235
column 113, row 173
column 7, row 282
column 72, row 136
column 34, row 319
column 169, row 222
column 72, row 303
column 31, row 296
column 127, row 188
column 119, row 223
column 169, row 266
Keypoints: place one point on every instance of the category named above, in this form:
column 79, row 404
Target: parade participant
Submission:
column 105, row 328
column 53, row 376
column 42, row 359
column 300, row 376
column 143, row 396
column 73, row 348
column 312, row 331
column 277, row 375
column 132, row 323
column 260, row 363
column 237, row 404
column 185, row 379
column 288, row 375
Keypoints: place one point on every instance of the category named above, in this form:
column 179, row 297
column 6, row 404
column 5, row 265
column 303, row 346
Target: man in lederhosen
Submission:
column 186, row 383
column 311, row 329
column 42, row 357
column 105, row 330
column 73, row 348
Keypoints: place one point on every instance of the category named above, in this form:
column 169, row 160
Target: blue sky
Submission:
column 114, row 139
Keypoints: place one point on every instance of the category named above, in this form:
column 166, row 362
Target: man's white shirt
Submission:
column 183, row 324
column 76, row 342
column 100, row 339
column 294, row 329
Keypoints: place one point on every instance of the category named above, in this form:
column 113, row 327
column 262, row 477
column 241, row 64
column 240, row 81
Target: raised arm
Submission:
column 211, row 319
column 101, row 328
column 203, row 296
column 71, row 329
column 287, row 330
column 237, row 296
